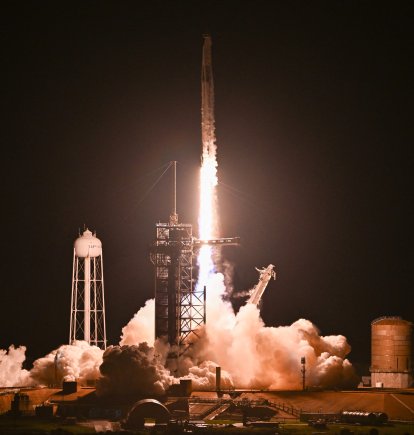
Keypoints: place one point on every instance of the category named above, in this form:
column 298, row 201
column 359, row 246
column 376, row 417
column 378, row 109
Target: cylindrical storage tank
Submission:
column 391, row 352
column 87, row 245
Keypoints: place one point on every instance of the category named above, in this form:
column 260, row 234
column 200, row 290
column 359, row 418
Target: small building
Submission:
column 22, row 405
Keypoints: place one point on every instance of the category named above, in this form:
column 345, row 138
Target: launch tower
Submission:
column 87, row 315
column 180, row 308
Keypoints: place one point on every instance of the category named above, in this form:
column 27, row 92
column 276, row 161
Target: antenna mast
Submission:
column 174, row 215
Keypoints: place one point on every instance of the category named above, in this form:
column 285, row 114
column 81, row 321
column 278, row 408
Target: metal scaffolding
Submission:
column 179, row 307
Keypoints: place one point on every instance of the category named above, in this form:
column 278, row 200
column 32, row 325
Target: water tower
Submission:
column 87, row 314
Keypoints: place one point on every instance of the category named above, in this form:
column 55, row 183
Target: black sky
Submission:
column 313, row 117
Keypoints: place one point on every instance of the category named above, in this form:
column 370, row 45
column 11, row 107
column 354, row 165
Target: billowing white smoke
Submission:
column 11, row 372
column 203, row 377
column 251, row 355
column 79, row 361
column 257, row 356
column 141, row 327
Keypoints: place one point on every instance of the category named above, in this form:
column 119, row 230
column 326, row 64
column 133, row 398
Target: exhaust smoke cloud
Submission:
column 270, row 355
column 70, row 362
column 11, row 362
column 133, row 369
column 141, row 328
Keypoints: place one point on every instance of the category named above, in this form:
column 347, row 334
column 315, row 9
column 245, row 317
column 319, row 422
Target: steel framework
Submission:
column 179, row 307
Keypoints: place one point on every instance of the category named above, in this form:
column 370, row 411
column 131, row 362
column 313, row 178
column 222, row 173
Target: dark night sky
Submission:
column 313, row 112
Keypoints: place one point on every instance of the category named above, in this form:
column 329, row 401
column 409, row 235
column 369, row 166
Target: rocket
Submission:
column 207, row 100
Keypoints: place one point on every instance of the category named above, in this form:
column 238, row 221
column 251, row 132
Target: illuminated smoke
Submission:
column 257, row 356
column 141, row 327
column 203, row 377
column 77, row 362
column 207, row 220
column 11, row 372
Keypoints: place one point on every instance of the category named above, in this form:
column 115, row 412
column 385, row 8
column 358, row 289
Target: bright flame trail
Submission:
column 207, row 220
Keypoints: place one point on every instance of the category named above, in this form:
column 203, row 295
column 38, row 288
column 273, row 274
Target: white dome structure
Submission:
column 87, row 245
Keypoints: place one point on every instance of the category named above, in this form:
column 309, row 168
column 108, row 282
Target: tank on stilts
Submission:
column 87, row 317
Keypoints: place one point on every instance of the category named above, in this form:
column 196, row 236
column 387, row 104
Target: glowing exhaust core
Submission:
column 208, row 182
column 207, row 219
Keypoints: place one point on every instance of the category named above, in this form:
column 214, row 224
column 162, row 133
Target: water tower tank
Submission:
column 391, row 352
column 87, row 245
